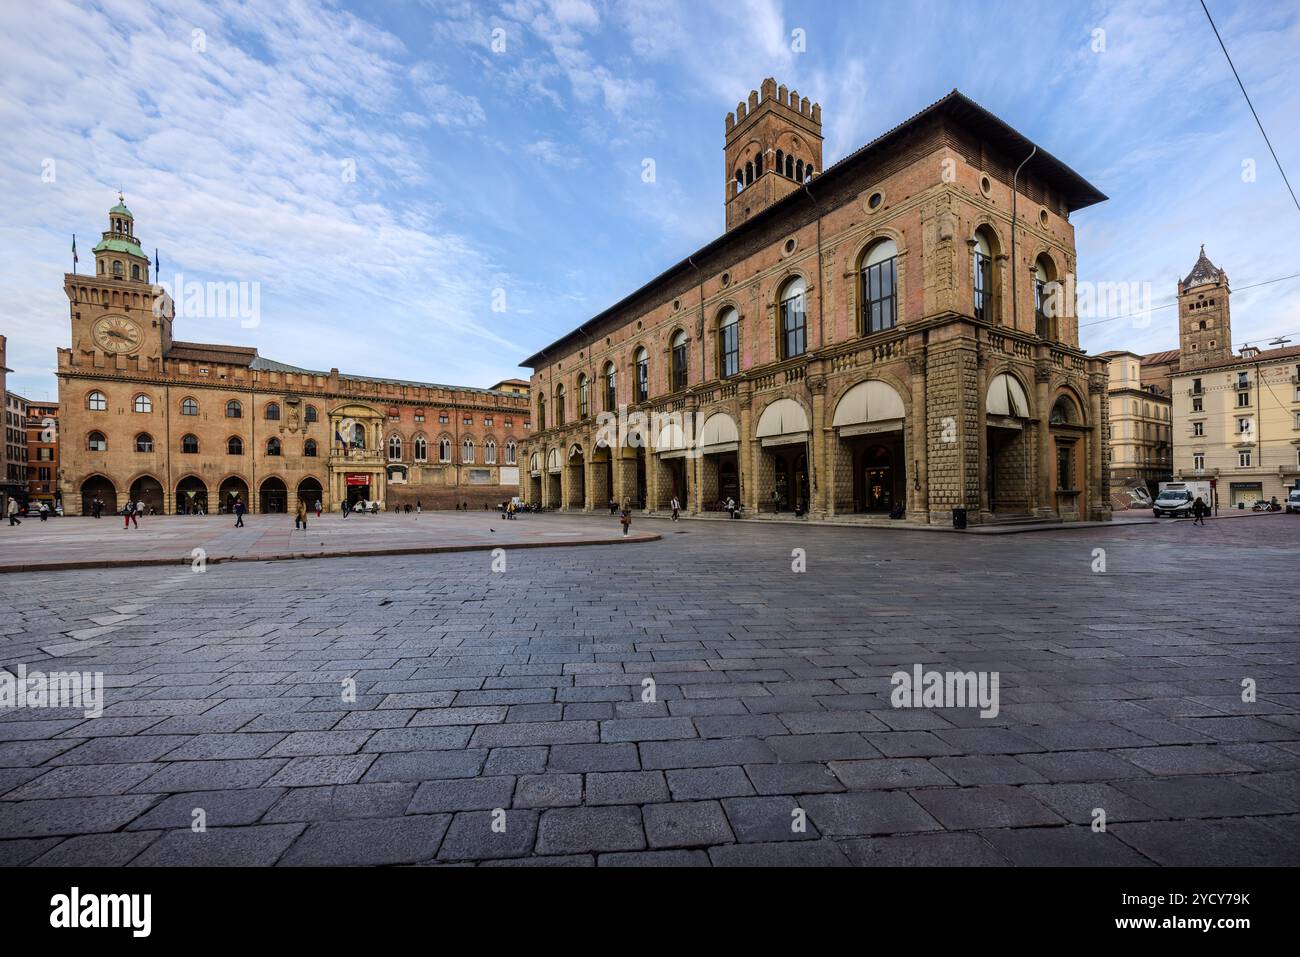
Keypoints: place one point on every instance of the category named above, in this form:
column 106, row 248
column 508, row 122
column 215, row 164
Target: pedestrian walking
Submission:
column 613, row 506
column 417, row 506
column 625, row 519
column 1199, row 511
column 139, row 507
column 13, row 512
column 45, row 511
column 300, row 516
column 318, row 508
column 128, row 515
column 239, row 513
column 97, row 507
column 676, row 507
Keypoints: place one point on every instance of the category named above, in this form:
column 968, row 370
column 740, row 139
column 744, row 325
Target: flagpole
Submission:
column 74, row 254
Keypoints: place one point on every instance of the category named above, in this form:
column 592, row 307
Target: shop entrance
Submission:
column 358, row 489
column 790, row 481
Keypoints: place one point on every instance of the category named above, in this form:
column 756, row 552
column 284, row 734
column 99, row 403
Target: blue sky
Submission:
column 513, row 177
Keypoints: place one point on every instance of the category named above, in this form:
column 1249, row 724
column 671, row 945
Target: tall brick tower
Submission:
column 774, row 144
column 1204, row 322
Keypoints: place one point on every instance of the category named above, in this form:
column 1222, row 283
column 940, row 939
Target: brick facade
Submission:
column 936, row 188
column 182, row 425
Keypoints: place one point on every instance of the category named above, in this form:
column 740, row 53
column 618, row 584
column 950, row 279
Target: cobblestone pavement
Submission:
column 173, row 538
column 498, row 716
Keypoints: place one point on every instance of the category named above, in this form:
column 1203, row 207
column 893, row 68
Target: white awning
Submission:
column 868, row 403
column 1006, row 397
column 784, row 419
column 719, row 434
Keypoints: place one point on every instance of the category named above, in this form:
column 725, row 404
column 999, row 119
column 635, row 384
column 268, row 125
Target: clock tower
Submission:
column 113, row 309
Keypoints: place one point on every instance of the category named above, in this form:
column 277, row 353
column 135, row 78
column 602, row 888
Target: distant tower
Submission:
column 1204, row 322
column 774, row 144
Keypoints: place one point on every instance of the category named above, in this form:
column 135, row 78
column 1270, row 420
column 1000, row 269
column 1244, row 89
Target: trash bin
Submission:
column 959, row 518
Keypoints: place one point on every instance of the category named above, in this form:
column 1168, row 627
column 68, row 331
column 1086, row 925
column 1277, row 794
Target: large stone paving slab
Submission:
column 692, row 701
column 79, row 542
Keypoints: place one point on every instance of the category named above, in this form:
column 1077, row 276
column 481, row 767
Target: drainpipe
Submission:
column 1015, row 267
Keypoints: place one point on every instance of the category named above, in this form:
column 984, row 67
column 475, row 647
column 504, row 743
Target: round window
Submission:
column 1043, row 217
column 986, row 185
column 790, row 245
column 875, row 201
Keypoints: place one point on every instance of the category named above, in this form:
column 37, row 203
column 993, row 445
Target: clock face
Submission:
column 117, row 334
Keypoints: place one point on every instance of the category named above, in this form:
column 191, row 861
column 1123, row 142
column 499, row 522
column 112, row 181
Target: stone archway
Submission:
column 98, row 488
column 576, row 472
column 1008, row 477
column 273, row 497
column 310, row 492
column 191, row 496
column 869, row 470
column 148, row 490
column 233, row 489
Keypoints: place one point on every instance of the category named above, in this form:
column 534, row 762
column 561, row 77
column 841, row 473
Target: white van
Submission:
column 1293, row 501
column 1176, row 498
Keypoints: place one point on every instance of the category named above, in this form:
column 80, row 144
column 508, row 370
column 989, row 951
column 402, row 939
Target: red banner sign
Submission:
column 354, row 479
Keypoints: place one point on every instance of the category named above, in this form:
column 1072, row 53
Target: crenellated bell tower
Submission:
column 773, row 146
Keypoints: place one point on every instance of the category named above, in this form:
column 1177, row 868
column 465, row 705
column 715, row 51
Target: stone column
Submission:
column 747, row 460
column 914, row 439
column 1098, row 490
column 822, row 439
column 1043, row 398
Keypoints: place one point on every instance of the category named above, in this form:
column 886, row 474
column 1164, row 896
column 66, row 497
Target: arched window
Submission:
column 1046, row 306
column 559, row 404
column 117, row 269
column 758, row 165
column 467, row 451
column 510, row 452
column 584, row 397
column 798, row 170
column 749, row 173
column 780, row 162
column 794, row 323
column 982, row 271
column 808, row 173
column 234, row 445
column 444, row 450
column 740, row 181
column 144, row 442
column 96, row 402
column 234, row 410
column 611, row 387
column 728, row 343
column 309, row 448
column 95, row 442
column 679, row 360
column 190, row 444
column 395, row 448
column 189, row 406
column 490, row 452
column 541, row 411
column 272, row 412
column 358, row 437
column 143, row 403
column 421, row 449
column 642, row 375
column 272, row 446
column 135, row 271
column 310, row 414
column 879, row 287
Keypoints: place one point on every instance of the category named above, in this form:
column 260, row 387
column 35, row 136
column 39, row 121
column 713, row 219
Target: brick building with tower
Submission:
column 191, row 426
column 886, row 333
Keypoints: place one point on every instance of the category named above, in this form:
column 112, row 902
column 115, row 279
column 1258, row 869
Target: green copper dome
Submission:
column 119, row 246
